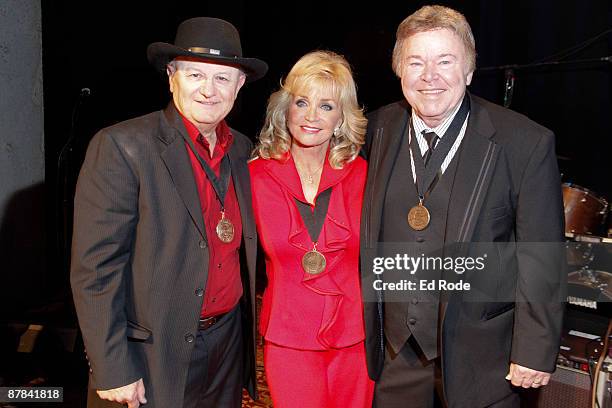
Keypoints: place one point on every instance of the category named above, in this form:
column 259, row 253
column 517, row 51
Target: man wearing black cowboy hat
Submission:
column 163, row 271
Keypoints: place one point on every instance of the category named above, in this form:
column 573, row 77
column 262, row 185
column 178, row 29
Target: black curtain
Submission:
column 102, row 47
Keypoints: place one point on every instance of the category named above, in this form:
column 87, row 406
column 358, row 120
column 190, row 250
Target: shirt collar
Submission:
column 420, row 126
column 223, row 132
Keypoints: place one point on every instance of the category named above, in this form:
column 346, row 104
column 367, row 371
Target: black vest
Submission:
column 413, row 312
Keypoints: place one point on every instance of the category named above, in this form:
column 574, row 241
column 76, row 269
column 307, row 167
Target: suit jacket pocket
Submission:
column 497, row 212
column 500, row 309
column 137, row 332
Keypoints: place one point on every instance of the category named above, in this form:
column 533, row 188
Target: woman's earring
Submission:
column 336, row 131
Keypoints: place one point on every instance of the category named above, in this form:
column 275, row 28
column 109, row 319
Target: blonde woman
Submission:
column 307, row 184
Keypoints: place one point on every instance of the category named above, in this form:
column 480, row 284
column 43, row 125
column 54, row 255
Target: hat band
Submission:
column 210, row 51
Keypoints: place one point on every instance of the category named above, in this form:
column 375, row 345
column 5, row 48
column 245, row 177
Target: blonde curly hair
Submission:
column 315, row 70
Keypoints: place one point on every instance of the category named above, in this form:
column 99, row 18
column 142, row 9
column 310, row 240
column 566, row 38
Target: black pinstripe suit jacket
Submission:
column 140, row 254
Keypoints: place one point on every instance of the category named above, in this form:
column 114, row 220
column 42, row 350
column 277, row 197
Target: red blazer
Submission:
column 309, row 312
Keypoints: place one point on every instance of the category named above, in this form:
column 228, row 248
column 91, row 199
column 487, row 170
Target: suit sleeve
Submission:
column 364, row 152
column 542, row 273
column 105, row 216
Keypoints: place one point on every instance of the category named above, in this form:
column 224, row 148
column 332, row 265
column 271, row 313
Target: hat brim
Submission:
column 160, row 54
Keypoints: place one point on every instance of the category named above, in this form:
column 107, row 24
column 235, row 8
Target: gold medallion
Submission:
column 225, row 229
column 418, row 217
column 313, row 262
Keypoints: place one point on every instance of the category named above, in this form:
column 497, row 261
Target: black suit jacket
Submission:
column 506, row 190
column 140, row 255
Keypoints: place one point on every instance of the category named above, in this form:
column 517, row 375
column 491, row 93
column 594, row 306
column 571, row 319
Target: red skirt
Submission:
column 330, row 378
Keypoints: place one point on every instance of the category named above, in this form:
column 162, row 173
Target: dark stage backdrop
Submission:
column 102, row 46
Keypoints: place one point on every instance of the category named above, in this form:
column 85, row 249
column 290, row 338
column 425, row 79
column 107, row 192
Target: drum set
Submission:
column 588, row 232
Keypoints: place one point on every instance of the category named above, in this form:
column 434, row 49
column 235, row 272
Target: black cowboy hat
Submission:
column 211, row 39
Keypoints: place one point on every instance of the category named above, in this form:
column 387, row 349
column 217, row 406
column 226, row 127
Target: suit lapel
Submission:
column 385, row 148
column 242, row 185
column 477, row 159
column 179, row 166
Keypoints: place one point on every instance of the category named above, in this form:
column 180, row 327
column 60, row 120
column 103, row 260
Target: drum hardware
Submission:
column 590, row 284
column 593, row 239
column 591, row 279
column 579, row 254
column 588, row 248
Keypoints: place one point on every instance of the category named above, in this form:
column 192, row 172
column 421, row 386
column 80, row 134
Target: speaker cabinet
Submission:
column 567, row 388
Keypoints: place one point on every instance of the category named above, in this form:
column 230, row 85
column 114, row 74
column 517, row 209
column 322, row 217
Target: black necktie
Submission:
column 431, row 139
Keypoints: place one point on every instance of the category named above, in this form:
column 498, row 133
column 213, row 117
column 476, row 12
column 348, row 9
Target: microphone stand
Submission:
column 508, row 87
column 63, row 190
column 510, row 71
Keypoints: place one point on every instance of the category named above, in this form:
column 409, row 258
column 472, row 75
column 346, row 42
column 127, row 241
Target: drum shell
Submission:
column 585, row 212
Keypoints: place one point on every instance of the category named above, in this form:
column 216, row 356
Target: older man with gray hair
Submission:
column 163, row 261
column 477, row 173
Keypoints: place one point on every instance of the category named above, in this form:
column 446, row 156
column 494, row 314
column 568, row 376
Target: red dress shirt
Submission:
column 299, row 310
column 224, row 286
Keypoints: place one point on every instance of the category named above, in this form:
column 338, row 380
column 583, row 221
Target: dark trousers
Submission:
column 410, row 380
column 511, row 401
column 407, row 379
column 215, row 372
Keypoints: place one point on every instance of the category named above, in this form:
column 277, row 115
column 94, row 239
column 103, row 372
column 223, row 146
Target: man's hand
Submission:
column 525, row 377
column 132, row 394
